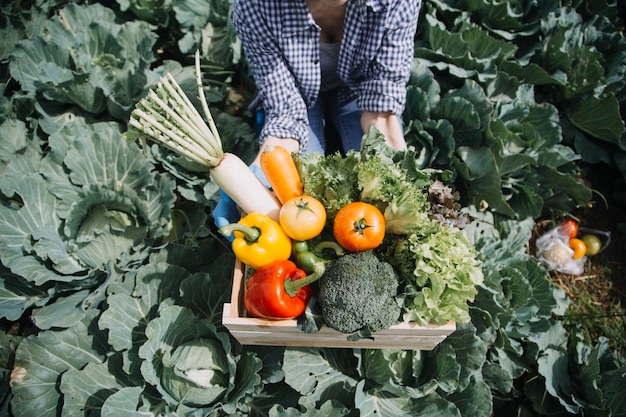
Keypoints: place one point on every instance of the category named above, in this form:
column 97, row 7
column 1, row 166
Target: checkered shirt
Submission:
column 281, row 44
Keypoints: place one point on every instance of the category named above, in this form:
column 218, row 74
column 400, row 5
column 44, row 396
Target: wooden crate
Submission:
column 255, row 331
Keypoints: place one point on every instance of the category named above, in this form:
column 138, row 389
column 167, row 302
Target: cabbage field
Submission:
column 113, row 276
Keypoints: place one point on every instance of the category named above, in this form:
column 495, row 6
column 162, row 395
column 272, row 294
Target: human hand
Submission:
column 292, row 145
column 226, row 210
column 388, row 124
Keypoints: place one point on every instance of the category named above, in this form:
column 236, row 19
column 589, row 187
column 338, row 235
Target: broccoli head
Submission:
column 358, row 291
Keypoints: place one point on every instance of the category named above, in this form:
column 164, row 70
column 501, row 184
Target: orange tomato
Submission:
column 579, row 248
column 302, row 218
column 359, row 226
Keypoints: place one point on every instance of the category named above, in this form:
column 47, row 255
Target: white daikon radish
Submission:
column 167, row 116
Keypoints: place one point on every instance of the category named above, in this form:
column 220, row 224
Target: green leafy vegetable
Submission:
column 190, row 363
column 68, row 217
column 331, row 179
column 440, row 270
column 97, row 245
column 405, row 202
column 84, row 57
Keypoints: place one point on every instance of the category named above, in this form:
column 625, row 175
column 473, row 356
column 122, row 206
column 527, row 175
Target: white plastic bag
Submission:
column 554, row 251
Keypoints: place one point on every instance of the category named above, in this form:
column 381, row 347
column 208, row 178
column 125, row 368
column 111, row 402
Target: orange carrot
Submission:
column 281, row 172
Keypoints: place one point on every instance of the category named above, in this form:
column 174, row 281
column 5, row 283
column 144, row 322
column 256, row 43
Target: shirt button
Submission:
column 316, row 61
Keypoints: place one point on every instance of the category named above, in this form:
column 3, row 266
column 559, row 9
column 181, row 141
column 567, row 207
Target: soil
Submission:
column 608, row 212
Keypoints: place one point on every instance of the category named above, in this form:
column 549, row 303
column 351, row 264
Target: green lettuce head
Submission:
column 441, row 271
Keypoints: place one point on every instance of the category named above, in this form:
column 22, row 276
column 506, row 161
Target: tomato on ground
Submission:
column 568, row 228
column 359, row 226
column 302, row 218
column 579, row 248
column 593, row 243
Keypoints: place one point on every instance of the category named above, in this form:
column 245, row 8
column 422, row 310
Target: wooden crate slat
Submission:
column 407, row 342
column 255, row 331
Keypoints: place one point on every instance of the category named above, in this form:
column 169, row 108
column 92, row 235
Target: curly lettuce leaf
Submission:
column 331, row 179
column 441, row 271
column 388, row 186
column 387, row 178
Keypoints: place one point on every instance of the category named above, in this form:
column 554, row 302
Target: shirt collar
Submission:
column 376, row 5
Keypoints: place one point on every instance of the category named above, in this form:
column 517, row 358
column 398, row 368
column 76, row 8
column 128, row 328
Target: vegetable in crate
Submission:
column 311, row 259
column 279, row 290
column 357, row 291
column 359, row 226
column 281, row 173
column 258, row 240
column 302, row 218
column 167, row 116
column 439, row 269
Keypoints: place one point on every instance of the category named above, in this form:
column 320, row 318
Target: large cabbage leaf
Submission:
column 159, row 335
column 445, row 382
column 91, row 203
column 41, row 359
column 85, row 58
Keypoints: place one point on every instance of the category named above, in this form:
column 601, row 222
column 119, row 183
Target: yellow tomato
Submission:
column 302, row 218
column 579, row 248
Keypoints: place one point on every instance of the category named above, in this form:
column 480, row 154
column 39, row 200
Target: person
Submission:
column 343, row 62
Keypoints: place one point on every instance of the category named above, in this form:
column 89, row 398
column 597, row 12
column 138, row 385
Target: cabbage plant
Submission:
column 70, row 217
column 156, row 347
column 190, row 363
column 84, row 57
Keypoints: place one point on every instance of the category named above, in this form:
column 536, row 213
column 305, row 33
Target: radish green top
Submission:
column 167, row 115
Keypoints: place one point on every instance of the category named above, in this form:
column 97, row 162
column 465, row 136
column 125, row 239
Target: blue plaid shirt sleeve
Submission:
column 380, row 83
column 258, row 27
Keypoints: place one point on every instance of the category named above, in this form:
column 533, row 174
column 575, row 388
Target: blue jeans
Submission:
column 345, row 118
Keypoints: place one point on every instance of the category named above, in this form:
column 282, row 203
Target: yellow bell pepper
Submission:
column 259, row 240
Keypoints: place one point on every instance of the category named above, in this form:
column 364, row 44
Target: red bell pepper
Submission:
column 278, row 290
